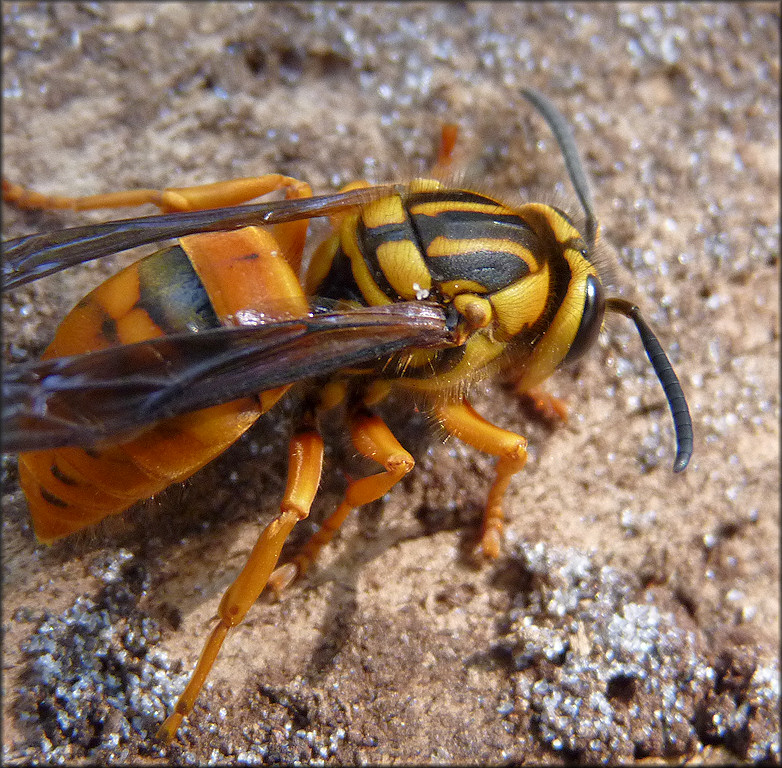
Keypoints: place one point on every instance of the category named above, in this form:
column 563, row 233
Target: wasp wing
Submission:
column 29, row 258
column 109, row 394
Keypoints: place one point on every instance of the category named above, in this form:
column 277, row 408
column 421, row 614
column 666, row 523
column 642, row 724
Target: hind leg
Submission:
column 291, row 235
column 306, row 459
column 169, row 200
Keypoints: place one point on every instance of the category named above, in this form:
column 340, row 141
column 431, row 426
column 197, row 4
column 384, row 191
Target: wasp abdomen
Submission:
column 72, row 488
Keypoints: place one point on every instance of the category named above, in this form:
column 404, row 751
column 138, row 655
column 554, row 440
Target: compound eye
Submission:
column 591, row 320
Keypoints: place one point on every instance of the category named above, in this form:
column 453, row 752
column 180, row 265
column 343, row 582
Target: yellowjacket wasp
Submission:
column 421, row 287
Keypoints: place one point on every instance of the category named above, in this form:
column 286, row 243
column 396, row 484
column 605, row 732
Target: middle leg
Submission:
column 372, row 438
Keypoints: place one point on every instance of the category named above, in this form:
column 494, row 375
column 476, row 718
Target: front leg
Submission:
column 460, row 419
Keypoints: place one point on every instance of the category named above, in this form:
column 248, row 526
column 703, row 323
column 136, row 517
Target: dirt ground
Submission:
column 633, row 613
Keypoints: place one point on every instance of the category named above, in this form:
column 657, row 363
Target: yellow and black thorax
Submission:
column 517, row 281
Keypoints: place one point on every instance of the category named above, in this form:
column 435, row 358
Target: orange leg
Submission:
column 291, row 236
column 548, row 406
column 449, row 134
column 373, row 439
column 169, row 200
column 306, row 459
column 461, row 420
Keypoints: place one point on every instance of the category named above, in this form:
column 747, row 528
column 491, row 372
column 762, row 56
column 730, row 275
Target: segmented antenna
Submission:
column 567, row 145
column 682, row 422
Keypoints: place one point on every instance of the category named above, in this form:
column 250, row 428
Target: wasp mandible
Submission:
column 421, row 287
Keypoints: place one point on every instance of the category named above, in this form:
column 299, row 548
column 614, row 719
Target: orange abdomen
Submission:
column 71, row 488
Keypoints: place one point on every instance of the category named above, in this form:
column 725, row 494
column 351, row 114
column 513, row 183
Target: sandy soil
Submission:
column 634, row 613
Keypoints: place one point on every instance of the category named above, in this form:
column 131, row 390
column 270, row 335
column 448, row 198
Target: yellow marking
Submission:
column 522, row 303
column 321, row 261
column 480, row 351
column 444, row 246
column 376, row 392
column 332, row 394
column 387, row 210
column 366, row 284
column 404, row 268
column 451, row 288
column 552, row 348
column 417, row 359
column 424, row 185
column 432, row 209
column 544, row 219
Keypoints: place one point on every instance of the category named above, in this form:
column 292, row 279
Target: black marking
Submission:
column 368, row 242
column 384, row 233
column 448, row 196
column 61, row 476
column 493, row 270
column 248, row 257
column 52, row 499
column 591, row 320
column 470, row 225
column 108, row 329
column 561, row 275
column 172, row 294
column 339, row 282
column 559, row 282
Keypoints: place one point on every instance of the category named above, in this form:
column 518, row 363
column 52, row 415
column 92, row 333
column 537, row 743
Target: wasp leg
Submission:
column 463, row 421
column 291, row 235
column 373, row 439
column 548, row 406
column 305, row 462
column 169, row 200
column 449, row 134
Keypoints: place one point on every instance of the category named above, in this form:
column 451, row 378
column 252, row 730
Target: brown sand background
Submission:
column 395, row 648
